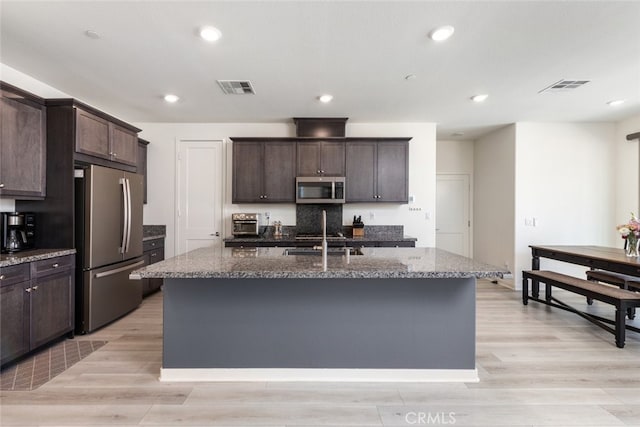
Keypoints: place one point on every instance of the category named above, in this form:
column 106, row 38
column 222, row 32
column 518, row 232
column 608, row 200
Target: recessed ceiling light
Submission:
column 171, row 98
column 441, row 33
column 210, row 34
column 92, row 34
column 410, row 77
column 457, row 134
column 479, row 98
column 615, row 102
column 325, row 98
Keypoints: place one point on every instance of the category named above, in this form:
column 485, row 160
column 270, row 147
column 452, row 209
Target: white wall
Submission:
column 160, row 208
column 627, row 172
column 454, row 157
column 494, row 198
column 565, row 180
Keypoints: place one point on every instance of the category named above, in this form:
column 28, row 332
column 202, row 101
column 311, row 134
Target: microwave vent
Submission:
column 237, row 87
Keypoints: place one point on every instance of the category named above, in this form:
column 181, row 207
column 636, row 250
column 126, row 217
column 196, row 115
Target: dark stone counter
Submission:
column 33, row 255
column 150, row 232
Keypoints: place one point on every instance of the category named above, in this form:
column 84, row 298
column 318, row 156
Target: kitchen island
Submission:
column 379, row 314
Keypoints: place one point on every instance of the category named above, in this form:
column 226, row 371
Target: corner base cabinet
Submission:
column 36, row 305
column 153, row 252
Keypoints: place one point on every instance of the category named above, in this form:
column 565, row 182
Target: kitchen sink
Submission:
column 318, row 252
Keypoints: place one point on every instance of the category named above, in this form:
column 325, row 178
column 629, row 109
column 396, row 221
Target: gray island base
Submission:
column 397, row 314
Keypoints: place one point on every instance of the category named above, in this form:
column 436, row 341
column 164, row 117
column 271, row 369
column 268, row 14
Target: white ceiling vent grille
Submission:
column 564, row 86
column 237, row 87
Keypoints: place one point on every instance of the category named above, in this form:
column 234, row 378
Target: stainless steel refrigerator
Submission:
column 109, row 243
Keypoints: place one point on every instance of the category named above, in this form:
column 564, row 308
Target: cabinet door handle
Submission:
column 1, row 185
column 153, row 255
column 35, row 288
column 265, row 196
column 56, row 265
column 1, row 276
column 28, row 290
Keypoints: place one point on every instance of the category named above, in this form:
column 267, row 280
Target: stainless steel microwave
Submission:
column 319, row 189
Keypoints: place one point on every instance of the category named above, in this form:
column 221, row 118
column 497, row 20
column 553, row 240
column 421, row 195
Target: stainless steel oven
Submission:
column 245, row 224
column 320, row 189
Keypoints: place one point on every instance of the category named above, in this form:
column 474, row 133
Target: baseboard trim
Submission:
column 323, row 375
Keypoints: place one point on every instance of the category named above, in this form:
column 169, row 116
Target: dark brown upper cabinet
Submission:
column 93, row 136
column 377, row 170
column 142, row 166
column 264, row 171
column 321, row 158
column 96, row 136
column 22, row 144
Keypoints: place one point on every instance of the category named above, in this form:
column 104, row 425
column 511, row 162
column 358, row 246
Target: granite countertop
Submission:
column 271, row 263
column 150, row 232
column 22, row 257
column 292, row 238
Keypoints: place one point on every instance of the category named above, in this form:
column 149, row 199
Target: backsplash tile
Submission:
column 309, row 218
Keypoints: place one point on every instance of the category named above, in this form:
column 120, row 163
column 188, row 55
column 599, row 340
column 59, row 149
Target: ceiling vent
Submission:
column 564, row 86
column 236, row 87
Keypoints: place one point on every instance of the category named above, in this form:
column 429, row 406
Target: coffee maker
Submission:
column 18, row 231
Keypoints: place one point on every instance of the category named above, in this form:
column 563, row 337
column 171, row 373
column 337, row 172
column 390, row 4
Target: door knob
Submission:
column 217, row 234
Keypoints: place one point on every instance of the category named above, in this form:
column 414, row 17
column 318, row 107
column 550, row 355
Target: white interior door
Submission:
column 199, row 175
column 453, row 219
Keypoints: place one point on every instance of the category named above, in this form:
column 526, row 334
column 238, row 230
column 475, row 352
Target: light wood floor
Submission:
column 538, row 367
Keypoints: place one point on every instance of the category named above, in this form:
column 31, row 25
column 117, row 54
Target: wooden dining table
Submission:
column 594, row 257
column 600, row 257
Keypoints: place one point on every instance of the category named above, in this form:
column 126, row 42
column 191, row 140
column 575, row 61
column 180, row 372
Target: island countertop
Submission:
column 271, row 263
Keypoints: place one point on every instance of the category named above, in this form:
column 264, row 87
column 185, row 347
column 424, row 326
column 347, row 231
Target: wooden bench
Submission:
column 622, row 299
column 623, row 281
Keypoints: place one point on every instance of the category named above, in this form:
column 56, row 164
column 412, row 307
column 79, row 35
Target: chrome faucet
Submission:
column 324, row 241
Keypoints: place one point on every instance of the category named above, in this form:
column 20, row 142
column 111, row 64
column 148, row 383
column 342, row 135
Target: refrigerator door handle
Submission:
column 125, row 214
column 128, row 215
column 118, row 270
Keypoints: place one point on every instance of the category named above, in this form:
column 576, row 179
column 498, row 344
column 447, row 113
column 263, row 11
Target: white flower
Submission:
column 624, row 231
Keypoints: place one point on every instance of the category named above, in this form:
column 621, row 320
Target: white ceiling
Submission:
column 359, row 51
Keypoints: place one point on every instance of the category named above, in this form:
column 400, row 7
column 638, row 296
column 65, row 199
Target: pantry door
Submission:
column 453, row 220
column 199, row 194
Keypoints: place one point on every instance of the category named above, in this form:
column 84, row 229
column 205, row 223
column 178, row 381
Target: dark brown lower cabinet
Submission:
column 36, row 305
column 153, row 252
column 14, row 318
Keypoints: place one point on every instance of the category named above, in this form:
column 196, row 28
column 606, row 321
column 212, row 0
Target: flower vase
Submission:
column 631, row 246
